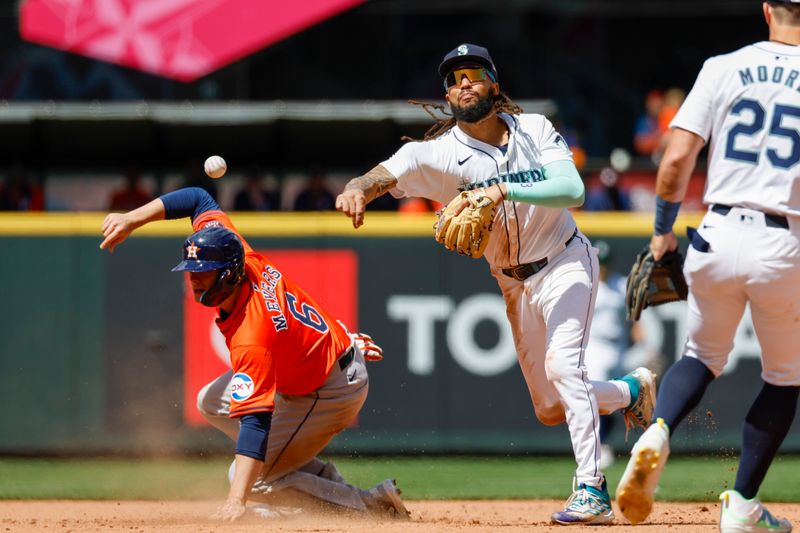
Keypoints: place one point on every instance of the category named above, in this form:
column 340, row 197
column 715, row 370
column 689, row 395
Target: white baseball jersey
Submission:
column 550, row 312
column 748, row 103
column 439, row 169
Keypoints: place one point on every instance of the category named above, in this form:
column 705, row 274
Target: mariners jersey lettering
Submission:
column 280, row 340
column 440, row 168
column 748, row 103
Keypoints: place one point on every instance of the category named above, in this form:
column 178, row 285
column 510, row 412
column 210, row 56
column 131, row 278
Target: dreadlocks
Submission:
column 502, row 104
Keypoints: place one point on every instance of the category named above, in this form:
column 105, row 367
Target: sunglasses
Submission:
column 473, row 74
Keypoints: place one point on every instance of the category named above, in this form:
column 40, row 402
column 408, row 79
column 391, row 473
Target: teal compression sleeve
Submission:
column 562, row 187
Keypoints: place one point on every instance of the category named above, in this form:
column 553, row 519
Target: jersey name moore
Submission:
column 776, row 74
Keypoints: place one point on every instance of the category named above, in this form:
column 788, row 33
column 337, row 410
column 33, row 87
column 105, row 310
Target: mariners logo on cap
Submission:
column 241, row 386
column 191, row 251
column 463, row 50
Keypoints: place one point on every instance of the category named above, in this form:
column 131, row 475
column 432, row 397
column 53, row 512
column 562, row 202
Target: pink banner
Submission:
column 178, row 39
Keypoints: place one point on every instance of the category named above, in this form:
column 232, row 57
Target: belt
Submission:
column 346, row 358
column 773, row 221
column 523, row 272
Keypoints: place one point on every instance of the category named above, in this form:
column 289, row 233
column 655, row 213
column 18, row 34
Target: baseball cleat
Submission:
column 387, row 497
column 641, row 412
column 639, row 481
column 587, row 505
column 740, row 515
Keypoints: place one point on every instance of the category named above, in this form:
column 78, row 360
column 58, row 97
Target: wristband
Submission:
column 253, row 433
column 666, row 213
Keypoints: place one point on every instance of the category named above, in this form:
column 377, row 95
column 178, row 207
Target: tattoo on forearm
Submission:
column 374, row 183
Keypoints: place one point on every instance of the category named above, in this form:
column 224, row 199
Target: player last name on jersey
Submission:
column 778, row 75
column 267, row 291
column 523, row 176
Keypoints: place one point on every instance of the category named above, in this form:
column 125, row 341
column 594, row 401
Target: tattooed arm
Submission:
column 361, row 190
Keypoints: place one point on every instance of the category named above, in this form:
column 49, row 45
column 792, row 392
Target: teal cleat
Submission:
column 587, row 505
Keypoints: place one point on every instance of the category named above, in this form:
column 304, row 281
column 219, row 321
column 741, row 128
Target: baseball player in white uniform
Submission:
column 747, row 250
column 546, row 268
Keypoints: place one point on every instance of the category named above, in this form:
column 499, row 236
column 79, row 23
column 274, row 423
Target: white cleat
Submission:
column 639, row 481
column 740, row 515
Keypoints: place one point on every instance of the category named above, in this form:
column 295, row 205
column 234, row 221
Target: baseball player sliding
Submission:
column 298, row 377
column 747, row 250
column 546, row 268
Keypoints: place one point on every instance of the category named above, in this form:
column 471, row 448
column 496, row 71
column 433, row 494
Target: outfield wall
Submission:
column 92, row 350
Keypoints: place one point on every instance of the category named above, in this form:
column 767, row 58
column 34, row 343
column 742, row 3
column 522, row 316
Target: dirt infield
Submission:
column 427, row 516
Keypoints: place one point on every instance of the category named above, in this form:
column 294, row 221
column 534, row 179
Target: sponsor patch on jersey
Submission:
column 241, row 386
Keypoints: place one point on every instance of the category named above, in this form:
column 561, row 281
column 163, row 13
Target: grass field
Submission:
column 686, row 478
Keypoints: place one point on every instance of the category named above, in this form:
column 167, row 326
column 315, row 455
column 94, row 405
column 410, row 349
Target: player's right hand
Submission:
column 661, row 244
column 352, row 203
column 232, row 510
column 116, row 228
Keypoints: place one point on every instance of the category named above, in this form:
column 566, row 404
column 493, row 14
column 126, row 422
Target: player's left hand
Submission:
column 661, row 244
column 116, row 228
column 465, row 224
column 496, row 193
column 232, row 510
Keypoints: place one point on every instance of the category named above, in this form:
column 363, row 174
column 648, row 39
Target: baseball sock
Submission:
column 611, row 395
column 681, row 389
column 765, row 427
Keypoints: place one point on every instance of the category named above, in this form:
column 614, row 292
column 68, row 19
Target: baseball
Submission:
column 215, row 167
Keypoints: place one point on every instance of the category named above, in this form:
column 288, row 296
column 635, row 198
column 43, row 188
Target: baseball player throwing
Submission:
column 298, row 377
column 546, row 269
column 747, row 250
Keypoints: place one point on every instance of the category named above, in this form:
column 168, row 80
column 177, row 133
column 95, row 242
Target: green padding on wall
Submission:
column 51, row 364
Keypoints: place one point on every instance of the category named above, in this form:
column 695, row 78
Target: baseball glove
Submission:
column 466, row 232
column 652, row 282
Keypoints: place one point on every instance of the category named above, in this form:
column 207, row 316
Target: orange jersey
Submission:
column 280, row 340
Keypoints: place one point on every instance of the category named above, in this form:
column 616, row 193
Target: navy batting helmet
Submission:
column 214, row 249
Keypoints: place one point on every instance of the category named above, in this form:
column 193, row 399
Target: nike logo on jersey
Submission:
column 462, row 161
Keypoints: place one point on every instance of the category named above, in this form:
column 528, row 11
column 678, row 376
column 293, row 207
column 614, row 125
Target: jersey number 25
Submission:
column 776, row 129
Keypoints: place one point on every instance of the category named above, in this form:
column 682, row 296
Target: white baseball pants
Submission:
column 550, row 314
column 747, row 262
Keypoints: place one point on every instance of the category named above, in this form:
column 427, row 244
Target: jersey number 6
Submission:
column 776, row 129
column 307, row 315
